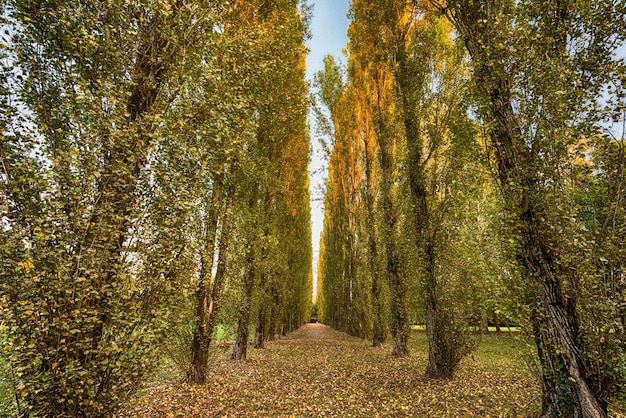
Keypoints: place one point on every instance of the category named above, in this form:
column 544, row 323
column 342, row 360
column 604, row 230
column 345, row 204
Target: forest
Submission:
column 155, row 210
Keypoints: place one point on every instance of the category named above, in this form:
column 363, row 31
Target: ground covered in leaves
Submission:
column 320, row 372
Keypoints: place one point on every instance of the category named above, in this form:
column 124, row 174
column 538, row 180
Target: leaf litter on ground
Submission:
column 317, row 371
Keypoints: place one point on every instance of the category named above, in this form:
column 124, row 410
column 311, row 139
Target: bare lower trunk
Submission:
column 378, row 337
column 446, row 344
column 240, row 348
column 201, row 342
column 204, row 308
column 399, row 325
column 484, row 322
column 434, row 367
column 259, row 336
column 208, row 297
column 200, row 354
column 274, row 320
column 496, row 322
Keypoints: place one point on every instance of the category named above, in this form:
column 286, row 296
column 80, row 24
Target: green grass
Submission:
column 224, row 333
column 491, row 329
column 505, row 329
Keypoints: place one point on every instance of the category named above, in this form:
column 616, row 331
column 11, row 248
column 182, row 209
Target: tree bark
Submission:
column 240, row 347
column 496, row 322
column 259, row 336
column 444, row 347
column 378, row 329
column 208, row 297
column 565, row 370
column 397, row 291
column 204, row 309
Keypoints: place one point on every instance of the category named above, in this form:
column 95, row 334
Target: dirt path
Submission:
column 317, row 371
column 315, row 332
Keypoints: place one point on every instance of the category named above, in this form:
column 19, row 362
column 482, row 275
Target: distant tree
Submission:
column 359, row 77
column 276, row 231
column 345, row 300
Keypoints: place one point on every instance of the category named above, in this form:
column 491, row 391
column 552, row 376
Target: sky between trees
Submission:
column 329, row 26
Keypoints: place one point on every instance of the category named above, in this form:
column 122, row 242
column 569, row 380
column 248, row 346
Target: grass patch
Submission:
column 224, row 333
column 491, row 329
column 505, row 329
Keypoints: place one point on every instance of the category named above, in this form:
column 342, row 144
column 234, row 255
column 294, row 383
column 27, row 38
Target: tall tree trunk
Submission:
column 565, row 369
column 108, row 229
column 354, row 312
column 271, row 325
column 378, row 324
column 443, row 353
column 208, row 296
column 263, row 285
column 378, row 329
column 240, row 348
column 397, row 291
column 259, row 336
column 445, row 349
column 203, row 312
column 275, row 317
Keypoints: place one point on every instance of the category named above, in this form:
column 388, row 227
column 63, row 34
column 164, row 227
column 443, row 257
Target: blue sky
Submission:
column 329, row 26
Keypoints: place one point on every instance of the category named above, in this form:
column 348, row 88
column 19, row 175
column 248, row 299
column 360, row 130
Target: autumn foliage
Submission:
column 145, row 146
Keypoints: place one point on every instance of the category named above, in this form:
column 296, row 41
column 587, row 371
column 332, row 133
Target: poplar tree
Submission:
column 539, row 69
column 425, row 79
column 279, row 109
column 346, row 302
column 86, row 278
